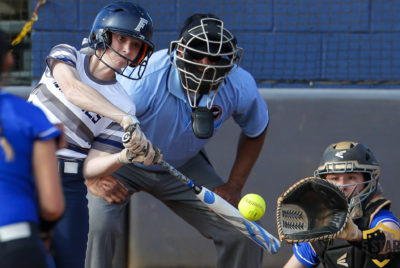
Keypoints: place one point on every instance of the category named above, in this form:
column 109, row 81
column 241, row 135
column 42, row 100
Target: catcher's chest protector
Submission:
column 340, row 253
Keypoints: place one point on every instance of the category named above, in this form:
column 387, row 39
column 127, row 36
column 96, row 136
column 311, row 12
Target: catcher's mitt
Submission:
column 310, row 210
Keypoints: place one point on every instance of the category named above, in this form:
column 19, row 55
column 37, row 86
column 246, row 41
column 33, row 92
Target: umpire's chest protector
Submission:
column 340, row 253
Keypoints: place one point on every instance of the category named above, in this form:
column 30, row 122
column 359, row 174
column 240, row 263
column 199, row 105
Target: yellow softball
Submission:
column 252, row 207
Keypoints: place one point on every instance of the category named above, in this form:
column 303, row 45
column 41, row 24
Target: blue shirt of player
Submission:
column 22, row 124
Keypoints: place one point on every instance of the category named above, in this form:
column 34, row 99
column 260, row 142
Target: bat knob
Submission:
column 128, row 132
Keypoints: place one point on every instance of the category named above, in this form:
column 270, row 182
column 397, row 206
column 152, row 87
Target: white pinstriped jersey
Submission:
column 83, row 129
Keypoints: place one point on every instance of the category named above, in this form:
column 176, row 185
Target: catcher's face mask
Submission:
column 352, row 157
column 350, row 183
column 360, row 191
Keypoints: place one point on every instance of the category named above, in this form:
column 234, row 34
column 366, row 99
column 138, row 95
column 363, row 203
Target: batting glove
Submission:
column 126, row 156
column 137, row 143
column 128, row 120
column 150, row 157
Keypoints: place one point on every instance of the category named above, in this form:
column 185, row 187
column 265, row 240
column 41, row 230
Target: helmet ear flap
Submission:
column 144, row 51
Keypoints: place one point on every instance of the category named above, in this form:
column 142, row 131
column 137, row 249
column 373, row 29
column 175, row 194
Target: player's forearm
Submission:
column 100, row 165
column 47, row 179
column 91, row 100
column 246, row 156
column 83, row 95
column 294, row 263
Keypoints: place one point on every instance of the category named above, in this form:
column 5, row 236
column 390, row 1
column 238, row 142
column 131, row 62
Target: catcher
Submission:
column 336, row 238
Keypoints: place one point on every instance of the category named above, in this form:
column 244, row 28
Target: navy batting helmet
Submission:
column 127, row 19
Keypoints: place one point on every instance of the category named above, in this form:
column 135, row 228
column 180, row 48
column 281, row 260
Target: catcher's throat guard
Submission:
column 310, row 210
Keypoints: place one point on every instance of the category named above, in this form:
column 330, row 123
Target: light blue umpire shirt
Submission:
column 164, row 111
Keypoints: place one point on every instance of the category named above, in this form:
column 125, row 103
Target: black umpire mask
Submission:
column 202, row 122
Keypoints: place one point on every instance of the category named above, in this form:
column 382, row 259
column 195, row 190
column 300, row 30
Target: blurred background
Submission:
column 291, row 43
column 329, row 70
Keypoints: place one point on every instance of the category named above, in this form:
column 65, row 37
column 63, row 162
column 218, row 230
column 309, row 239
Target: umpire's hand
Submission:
column 109, row 188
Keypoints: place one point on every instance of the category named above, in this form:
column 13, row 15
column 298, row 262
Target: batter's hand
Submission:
column 109, row 188
column 150, row 157
column 128, row 120
column 137, row 142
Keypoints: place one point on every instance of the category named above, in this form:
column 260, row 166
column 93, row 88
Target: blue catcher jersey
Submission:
column 307, row 256
column 22, row 124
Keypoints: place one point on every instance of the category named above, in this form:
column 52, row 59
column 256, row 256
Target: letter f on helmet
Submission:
column 142, row 23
